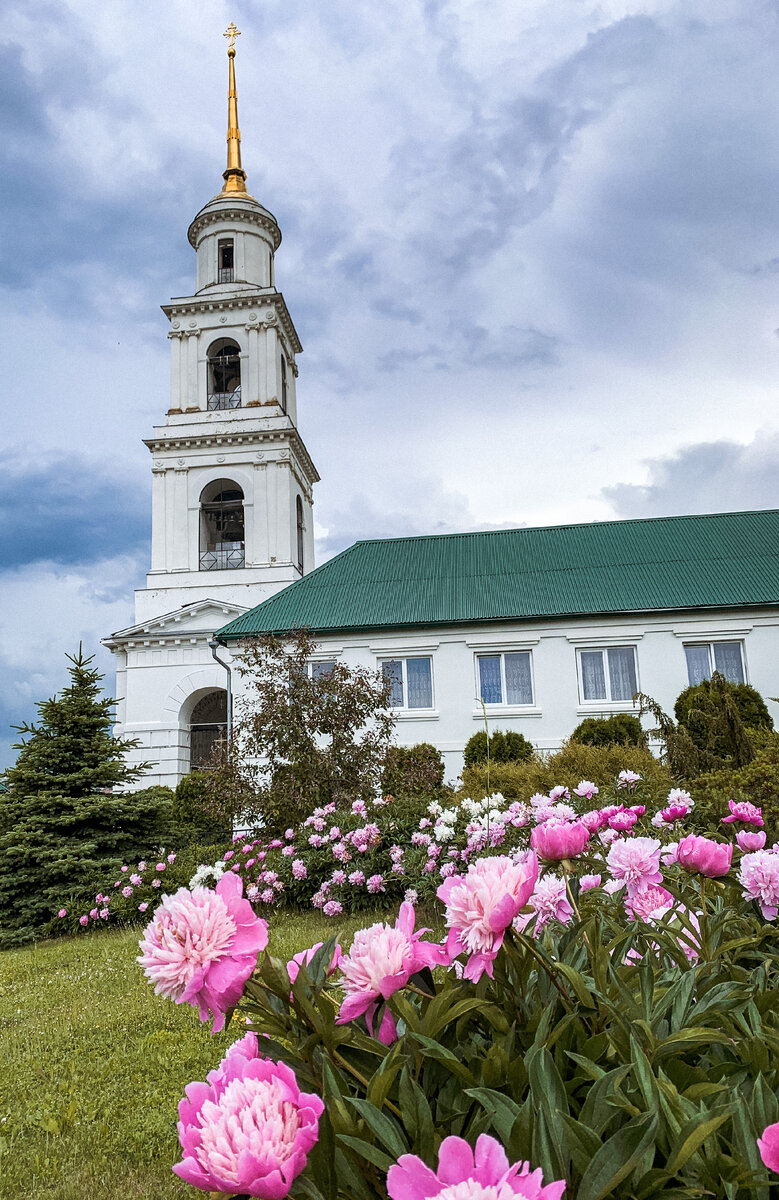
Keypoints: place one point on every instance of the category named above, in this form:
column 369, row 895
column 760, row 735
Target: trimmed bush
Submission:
column 505, row 747
column 194, row 811
column 411, row 770
column 622, row 729
column 757, row 782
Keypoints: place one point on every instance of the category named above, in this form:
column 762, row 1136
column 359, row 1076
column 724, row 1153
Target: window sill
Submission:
column 592, row 708
column 507, row 710
column 416, row 714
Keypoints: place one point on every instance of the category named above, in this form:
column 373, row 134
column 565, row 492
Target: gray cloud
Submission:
column 710, row 477
column 69, row 510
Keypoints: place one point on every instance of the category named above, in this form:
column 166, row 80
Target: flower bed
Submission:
column 601, row 1018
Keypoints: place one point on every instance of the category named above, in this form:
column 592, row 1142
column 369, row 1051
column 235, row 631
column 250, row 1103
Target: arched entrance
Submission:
column 207, row 729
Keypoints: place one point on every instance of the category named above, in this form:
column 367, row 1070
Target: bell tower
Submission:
column 232, row 479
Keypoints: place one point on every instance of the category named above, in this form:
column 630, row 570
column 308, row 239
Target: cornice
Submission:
column 287, row 441
column 271, row 307
column 235, row 212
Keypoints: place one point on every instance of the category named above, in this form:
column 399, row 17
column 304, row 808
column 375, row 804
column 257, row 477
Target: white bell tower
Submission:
column 232, row 479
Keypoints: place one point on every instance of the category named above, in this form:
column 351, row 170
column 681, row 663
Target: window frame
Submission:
column 710, row 643
column 608, row 700
column 504, row 704
column 403, row 659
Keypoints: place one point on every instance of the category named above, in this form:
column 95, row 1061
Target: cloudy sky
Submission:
column 531, row 248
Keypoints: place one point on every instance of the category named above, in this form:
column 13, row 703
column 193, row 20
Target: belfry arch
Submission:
column 222, row 526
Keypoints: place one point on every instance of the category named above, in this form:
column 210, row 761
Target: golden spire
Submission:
column 234, row 176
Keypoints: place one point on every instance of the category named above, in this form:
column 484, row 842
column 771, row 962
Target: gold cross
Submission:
column 232, row 33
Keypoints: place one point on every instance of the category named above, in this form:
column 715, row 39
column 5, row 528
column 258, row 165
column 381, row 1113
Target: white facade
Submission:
column 232, row 480
column 659, row 643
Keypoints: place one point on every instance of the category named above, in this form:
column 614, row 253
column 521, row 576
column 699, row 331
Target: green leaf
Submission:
column 616, row 1158
column 503, row 1112
column 643, row 1073
column 381, row 1126
column 692, row 1136
column 435, row 1050
column 352, row 1181
column 576, row 980
column 583, row 1142
column 416, row 1114
column 371, row 1154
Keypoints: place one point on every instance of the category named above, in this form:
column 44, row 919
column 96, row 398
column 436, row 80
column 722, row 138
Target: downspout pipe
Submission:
column 214, row 645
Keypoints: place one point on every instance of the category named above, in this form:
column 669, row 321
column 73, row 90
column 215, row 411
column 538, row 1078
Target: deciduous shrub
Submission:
column 621, row 729
column 196, row 811
column 411, row 770
column 504, row 747
column 601, row 764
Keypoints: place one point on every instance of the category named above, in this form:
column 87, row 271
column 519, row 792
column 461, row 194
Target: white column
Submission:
column 158, row 523
column 252, row 385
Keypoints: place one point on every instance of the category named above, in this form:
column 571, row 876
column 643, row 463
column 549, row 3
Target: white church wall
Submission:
column 456, row 713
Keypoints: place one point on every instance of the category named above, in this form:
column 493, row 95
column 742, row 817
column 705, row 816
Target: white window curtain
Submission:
column 728, row 661
column 698, row 666
column 419, row 678
column 519, row 683
column 489, row 679
column 622, row 672
column 593, row 675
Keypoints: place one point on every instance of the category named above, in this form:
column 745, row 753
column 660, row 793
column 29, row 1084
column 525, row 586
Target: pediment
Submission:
column 202, row 616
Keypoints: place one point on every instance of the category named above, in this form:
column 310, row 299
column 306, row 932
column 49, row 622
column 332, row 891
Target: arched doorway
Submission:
column 207, row 729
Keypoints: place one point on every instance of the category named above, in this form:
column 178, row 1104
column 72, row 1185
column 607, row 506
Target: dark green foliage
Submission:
column 504, row 747
column 622, row 729
column 195, row 811
column 410, row 770
column 58, row 824
column 72, row 751
column 717, row 715
column 53, row 847
column 757, row 782
column 631, row 1080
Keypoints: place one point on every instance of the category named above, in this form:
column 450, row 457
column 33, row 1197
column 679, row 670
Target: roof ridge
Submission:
column 419, row 537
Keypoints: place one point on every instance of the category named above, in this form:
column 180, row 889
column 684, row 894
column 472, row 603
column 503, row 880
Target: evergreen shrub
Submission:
column 757, row 782
column 717, row 714
column 621, row 729
column 196, row 813
column 411, row 770
column 504, row 747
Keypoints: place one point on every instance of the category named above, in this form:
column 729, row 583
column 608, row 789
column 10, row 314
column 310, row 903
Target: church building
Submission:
column 537, row 628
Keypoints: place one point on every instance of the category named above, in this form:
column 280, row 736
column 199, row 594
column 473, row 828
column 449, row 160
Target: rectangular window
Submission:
column 320, row 668
column 505, row 678
column 705, row 657
column 608, row 674
column 411, row 681
column 225, row 252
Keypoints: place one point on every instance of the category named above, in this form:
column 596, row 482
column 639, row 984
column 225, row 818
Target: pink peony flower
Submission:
column 628, row 779
column 586, row 789
column 201, row 946
column 481, row 905
column 171, row 858
column 704, row 856
column 549, row 902
column 557, row 840
column 357, row 878
column 466, row 1174
column 592, row 820
column 249, row 1129
column 635, row 862
column 305, row 957
column 136, row 880
column 588, row 882
column 144, row 906
column 63, row 912
column 375, row 884
column 559, row 792
column 381, row 961
column 332, row 908
column 649, row 905
column 161, row 866
column 623, row 822
column 299, row 870
column 141, row 865
column 743, row 811
column 103, row 914
column 127, row 892
column 84, row 920
column 748, row 841
column 759, row 877
column 768, row 1145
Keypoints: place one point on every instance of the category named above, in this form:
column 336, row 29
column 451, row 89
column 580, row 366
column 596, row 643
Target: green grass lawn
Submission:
column 94, row 1064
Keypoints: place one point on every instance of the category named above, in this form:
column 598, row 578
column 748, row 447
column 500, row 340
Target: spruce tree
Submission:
column 61, row 828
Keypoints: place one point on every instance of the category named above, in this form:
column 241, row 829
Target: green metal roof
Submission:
column 723, row 560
